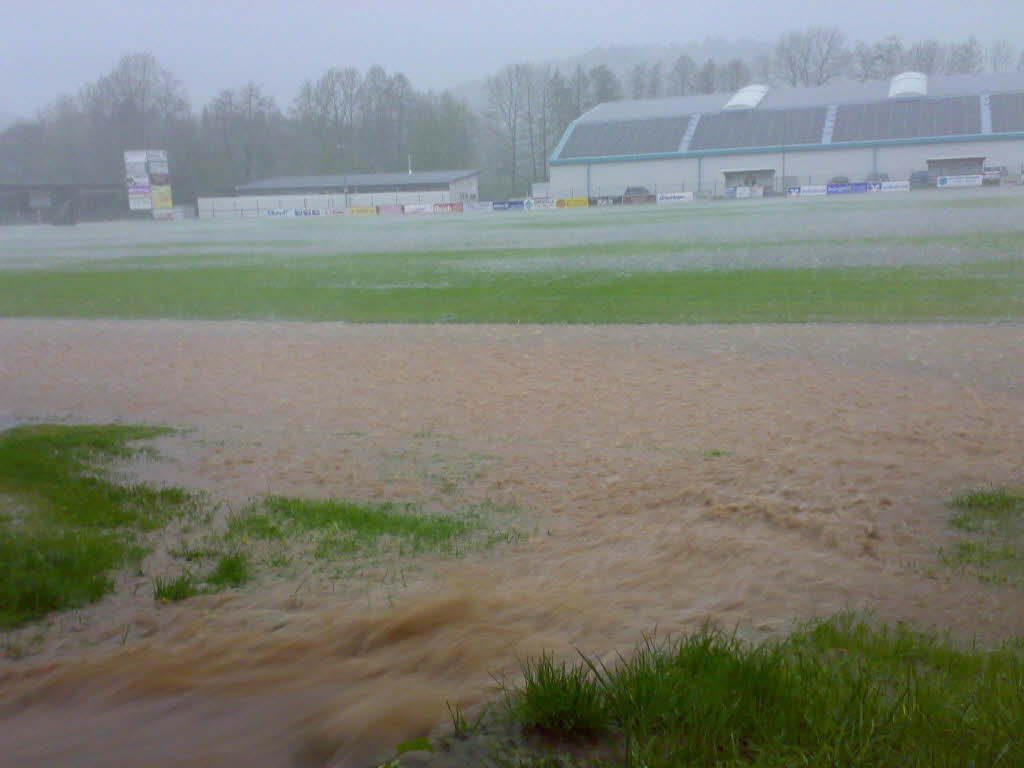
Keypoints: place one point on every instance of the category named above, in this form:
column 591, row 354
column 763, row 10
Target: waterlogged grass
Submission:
column 992, row 520
column 65, row 525
column 338, row 530
column 838, row 692
column 171, row 590
column 232, row 571
column 613, row 282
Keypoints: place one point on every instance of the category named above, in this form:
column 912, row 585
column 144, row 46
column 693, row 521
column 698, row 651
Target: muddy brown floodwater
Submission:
column 751, row 475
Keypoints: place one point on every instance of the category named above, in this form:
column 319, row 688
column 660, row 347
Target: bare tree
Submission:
column 734, row 75
column 881, row 60
column 638, row 81
column 604, row 85
column 810, row 57
column 505, row 101
column 706, row 79
column 763, row 69
column 681, row 76
column 654, row 81
column 966, row 58
column 926, row 56
column 1001, row 55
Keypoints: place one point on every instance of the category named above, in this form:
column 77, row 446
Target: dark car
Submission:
column 919, row 180
column 836, row 180
column 876, row 178
column 634, row 195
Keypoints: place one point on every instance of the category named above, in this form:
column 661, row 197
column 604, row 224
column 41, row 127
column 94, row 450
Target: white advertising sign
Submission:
column 947, row 182
column 675, row 197
column 419, row 207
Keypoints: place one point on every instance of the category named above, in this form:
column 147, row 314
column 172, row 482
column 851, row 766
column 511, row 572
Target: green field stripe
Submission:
column 979, row 291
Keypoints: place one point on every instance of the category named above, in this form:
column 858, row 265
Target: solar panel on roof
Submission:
column 626, row 137
column 917, row 118
column 1007, row 112
column 770, row 128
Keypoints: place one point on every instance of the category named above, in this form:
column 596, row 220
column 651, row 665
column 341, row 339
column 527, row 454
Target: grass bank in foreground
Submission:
column 65, row 525
column 841, row 691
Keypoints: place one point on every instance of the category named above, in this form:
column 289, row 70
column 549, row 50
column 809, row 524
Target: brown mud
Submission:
column 750, row 475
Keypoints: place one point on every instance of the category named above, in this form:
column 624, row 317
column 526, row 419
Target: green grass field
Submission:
column 907, row 260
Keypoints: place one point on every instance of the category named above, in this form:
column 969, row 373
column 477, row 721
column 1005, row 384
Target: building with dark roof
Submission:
column 774, row 138
column 461, row 184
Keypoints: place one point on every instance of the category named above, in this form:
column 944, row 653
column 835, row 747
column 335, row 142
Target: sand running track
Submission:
column 840, row 446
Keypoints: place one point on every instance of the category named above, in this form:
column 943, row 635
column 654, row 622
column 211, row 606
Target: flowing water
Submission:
column 754, row 476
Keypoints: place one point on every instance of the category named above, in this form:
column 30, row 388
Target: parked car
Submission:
column 993, row 174
column 876, row 178
column 919, row 180
column 839, row 180
column 634, row 195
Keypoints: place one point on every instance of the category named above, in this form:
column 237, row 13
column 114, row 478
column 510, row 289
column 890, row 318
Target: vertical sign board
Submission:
column 148, row 179
column 136, row 177
column 160, row 183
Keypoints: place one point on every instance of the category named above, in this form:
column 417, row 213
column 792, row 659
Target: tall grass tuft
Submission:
column 838, row 692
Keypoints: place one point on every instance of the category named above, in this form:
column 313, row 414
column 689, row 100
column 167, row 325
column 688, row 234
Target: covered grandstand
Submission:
column 772, row 139
column 338, row 193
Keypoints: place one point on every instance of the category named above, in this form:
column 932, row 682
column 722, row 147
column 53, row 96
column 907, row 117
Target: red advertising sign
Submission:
column 389, row 209
column 447, row 207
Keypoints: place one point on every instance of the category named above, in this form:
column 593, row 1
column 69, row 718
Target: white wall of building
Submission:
column 465, row 191
column 805, row 167
column 255, row 206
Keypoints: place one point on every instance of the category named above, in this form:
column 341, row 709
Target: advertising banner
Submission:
column 543, row 202
column 419, row 208
column 447, row 207
column 894, row 186
column 748, row 192
column 297, row 212
column 362, row 210
column 477, row 207
column 390, row 210
column 572, row 202
column 500, row 205
column 163, row 208
column 948, row 182
column 137, row 180
column 848, row 189
column 675, row 197
column 148, row 179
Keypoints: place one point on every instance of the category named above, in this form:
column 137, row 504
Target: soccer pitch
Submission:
column 926, row 256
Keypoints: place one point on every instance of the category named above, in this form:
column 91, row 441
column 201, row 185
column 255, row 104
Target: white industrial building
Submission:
column 779, row 138
column 338, row 193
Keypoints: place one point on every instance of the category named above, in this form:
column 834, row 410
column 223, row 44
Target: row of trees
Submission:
column 347, row 121
column 344, row 121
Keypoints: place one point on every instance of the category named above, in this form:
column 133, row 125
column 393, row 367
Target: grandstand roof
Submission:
column 418, row 181
column 956, row 107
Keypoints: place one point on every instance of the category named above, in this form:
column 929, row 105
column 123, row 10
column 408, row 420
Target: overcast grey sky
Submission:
column 48, row 48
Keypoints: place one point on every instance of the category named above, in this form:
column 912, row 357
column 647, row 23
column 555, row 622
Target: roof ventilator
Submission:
column 746, row 98
column 908, row 85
